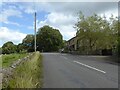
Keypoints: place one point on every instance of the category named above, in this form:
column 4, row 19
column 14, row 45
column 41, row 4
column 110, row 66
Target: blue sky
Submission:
column 24, row 21
column 17, row 18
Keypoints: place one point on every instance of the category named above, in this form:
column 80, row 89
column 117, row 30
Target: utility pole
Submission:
column 35, row 30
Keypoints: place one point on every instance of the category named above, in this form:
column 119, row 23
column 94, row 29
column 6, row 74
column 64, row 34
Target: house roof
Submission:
column 71, row 39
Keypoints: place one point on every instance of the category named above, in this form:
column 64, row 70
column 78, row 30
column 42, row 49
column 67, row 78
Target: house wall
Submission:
column 72, row 44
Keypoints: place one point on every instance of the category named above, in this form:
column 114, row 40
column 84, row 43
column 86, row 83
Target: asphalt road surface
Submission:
column 76, row 71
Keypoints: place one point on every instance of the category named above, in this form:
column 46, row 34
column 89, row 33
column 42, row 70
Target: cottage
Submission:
column 72, row 44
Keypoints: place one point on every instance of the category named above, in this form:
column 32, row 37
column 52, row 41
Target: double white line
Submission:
column 90, row 67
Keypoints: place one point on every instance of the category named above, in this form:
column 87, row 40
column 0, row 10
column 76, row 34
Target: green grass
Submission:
column 28, row 74
column 0, row 61
column 8, row 59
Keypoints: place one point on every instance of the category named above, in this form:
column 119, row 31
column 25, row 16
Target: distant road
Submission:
column 75, row 71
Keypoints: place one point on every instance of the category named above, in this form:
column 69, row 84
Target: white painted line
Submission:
column 64, row 54
column 90, row 67
column 64, row 57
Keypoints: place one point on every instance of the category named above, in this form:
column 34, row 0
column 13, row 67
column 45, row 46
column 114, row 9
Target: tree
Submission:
column 0, row 50
column 8, row 48
column 21, row 48
column 115, row 36
column 49, row 39
column 96, row 33
column 88, row 32
column 28, row 43
column 118, row 46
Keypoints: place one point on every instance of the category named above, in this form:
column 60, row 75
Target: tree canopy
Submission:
column 0, row 50
column 8, row 48
column 28, row 43
column 96, row 33
column 49, row 39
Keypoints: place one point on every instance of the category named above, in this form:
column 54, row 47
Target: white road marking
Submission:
column 64, row 54
column 90, row 67
column 64, row 57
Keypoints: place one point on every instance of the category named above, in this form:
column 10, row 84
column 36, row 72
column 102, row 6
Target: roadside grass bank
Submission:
column 28, row 74
column 9, row 59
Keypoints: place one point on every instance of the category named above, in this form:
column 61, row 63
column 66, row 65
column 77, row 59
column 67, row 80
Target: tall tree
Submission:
column 88, row 32
column 96, row 33
column 49, row 39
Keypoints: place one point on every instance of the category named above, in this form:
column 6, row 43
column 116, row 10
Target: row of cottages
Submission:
column 72, row 44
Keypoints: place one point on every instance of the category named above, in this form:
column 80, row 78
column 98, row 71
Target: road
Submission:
column 75, row 71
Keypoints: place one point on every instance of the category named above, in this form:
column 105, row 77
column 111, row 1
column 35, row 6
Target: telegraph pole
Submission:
column 35, row 30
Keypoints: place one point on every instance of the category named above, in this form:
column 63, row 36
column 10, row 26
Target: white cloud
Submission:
column 108, row 13
column 7, row 13
column 88, row 8
column 30, row 27
column 10, row 35
column 63, row 16
column 67, row 31
column 30, row 9
column 60, row 0
column 61, row 21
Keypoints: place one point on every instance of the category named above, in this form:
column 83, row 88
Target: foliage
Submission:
column 64, row 43
column 96, row 33
column 49, row 39
column 0, row 50
column 8, row 48
column 21, row 48
column 118, row 48
column 28, row 74
column 27, row 43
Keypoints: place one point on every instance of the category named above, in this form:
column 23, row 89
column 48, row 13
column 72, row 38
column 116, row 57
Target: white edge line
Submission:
column 90, row 67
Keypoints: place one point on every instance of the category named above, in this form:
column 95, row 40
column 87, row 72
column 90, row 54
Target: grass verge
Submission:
column 8, row 59
column 28, row 74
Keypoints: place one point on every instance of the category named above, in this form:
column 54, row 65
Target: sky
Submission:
column 17, row 18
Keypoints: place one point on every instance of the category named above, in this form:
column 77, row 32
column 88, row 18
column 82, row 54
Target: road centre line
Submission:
column 90, row 67
column 64, row 57
column 64, row 54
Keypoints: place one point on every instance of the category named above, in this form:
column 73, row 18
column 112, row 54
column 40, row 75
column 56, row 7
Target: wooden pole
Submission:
column 35, row 30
